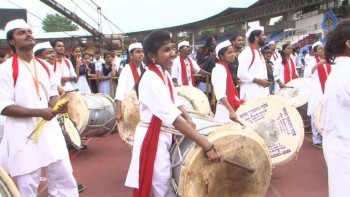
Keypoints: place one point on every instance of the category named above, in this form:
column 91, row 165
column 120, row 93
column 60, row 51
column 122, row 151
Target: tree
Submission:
column 208, row 32
column 56, row 23
column 230, row 29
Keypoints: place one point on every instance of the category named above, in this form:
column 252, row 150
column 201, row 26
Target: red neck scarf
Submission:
column 274, row 55
column 149, row 148
column 135, row 74
column 55, row 64
column 289, row 72
column 231, row 91
column 323, row 73
column 184, row 76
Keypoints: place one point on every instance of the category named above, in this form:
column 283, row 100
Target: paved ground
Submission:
column 103, row 167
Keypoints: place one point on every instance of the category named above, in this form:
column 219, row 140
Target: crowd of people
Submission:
column 37, row 74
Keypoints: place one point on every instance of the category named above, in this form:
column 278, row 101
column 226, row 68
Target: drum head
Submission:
column 196, row 176
column 299, row 94
column 278, row 123
column 131, row 117
column 194, row 99
column 7, row 187
column 71, row 133
column 77, row 109
column 318, row 119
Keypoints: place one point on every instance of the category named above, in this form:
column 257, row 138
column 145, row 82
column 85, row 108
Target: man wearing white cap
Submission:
column 29, row 92
column 275, row 55
column 252, row 69
column 184, row 66
column 318, row 70
column 129, row 76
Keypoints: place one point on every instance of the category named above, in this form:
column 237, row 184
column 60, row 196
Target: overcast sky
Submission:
column 130, row 15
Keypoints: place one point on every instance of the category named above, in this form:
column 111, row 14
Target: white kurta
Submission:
column 250, row 90
column 336, row 136
column 18, row 155
column 275, row 56
column 126, row 82
column 218, row 79
column 154, row 99
column 278, row 72
column 66, row 72
column 82, row 85
column 176, row 69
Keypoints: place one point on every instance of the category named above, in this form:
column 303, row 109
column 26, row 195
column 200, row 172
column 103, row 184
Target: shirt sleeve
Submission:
column 71, row 69
column 277, row 69
column 122, row 83
column 218, row 79
column 175, row 69
column 7, row 89
column 245, row 59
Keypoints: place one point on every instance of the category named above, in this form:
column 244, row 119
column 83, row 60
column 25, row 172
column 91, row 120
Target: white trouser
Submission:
column 316, row 136
column 59, row 175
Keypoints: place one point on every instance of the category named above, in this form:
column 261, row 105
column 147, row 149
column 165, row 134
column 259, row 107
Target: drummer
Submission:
column 225, row 89
column 284, row 68
column 318, row 70
column 129, row 76
column 150, row 168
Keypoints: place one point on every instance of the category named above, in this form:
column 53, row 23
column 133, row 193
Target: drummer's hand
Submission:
column 233, row 115
column 63, row 108
column 213, row 155
column 47, row 113
column 61, row 91
column 191, row 123
column 282, row 85
column 263, row 82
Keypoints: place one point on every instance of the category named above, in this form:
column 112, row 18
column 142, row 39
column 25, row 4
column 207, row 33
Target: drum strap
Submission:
column 323, row 73
column 149, row 147
column 135, row 74
column 184, row 76
column 289, row 71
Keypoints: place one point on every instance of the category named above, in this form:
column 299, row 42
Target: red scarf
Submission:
column 323, row 73
column 184, row 71
column 231, row 91
column 135, row 74
column 287, row 75
column 149, row 148
column 55, row 64
column 274, row 55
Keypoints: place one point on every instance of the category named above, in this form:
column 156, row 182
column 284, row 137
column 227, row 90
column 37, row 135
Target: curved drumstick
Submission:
column 289, row 87
column 246, row 168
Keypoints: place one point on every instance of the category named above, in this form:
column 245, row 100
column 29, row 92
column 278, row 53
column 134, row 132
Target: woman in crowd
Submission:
column 104, row 73
column 80, row 64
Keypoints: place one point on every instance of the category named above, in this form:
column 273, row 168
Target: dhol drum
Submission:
column 278, row 123
column 7, row 186
column 297, row 94
column 93, row 114
column 70, row 132
column 194, row 175
column 319, row 124
column 193, row 99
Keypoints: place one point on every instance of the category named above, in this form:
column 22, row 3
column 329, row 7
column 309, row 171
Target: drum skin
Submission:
column 70, row 132
column 94, row 114
column 196, row 176
column 278, row 123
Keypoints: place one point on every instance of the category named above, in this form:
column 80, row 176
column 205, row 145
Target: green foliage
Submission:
column 57, row 23
column 230, row 29
column 208, row 32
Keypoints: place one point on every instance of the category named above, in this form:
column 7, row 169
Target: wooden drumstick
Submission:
column 289, row 87
column 248, row 169
column 75, row 90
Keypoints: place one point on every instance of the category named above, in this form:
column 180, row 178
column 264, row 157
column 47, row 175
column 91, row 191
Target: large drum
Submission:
column 319, row 124
column 94, row 114
column 297, row 94
column 7, row 186
column 193, row 99
column 278, row 123
column 194, row 175
column 70, row 132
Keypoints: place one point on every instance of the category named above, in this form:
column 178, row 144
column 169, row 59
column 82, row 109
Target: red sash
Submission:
column 323, row 73
column 231, row 91
column 55, row 64
column 184, row 71
column 274, row 55
column 149, row 148
column 287, row 75
column 253, row 53
column 135, row 74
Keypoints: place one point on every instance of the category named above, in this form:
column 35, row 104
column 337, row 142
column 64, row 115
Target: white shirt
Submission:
column 275, row 56
column 278, row 72
column 66, row 71
column 126, row 82
column 176, row 69
column 18, row 155
column 250, row 90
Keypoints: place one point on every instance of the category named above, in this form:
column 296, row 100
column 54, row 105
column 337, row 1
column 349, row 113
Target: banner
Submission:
column 329, row 21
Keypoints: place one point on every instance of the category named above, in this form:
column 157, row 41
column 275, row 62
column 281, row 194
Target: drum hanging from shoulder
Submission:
column 193, row 99
column 319, row 124
column 70, row 132
column 194, row 175
column 94, row 114
column 297, row 94
column 278, row 123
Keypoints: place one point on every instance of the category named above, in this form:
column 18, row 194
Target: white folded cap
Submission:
column 316, row 44
column 183, row 43
column 137, row 45
column 221, row 45
column 272, row 42
column 253, row 29
column 15, row 24
column 42, row 45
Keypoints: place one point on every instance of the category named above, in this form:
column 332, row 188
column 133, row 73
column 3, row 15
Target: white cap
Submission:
column 183, row 43
column 221, row 45
column 15, row 24
column 272, row 42
column 137, row 45
column 42, row 45
column 253, row 29
column 316, row 44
